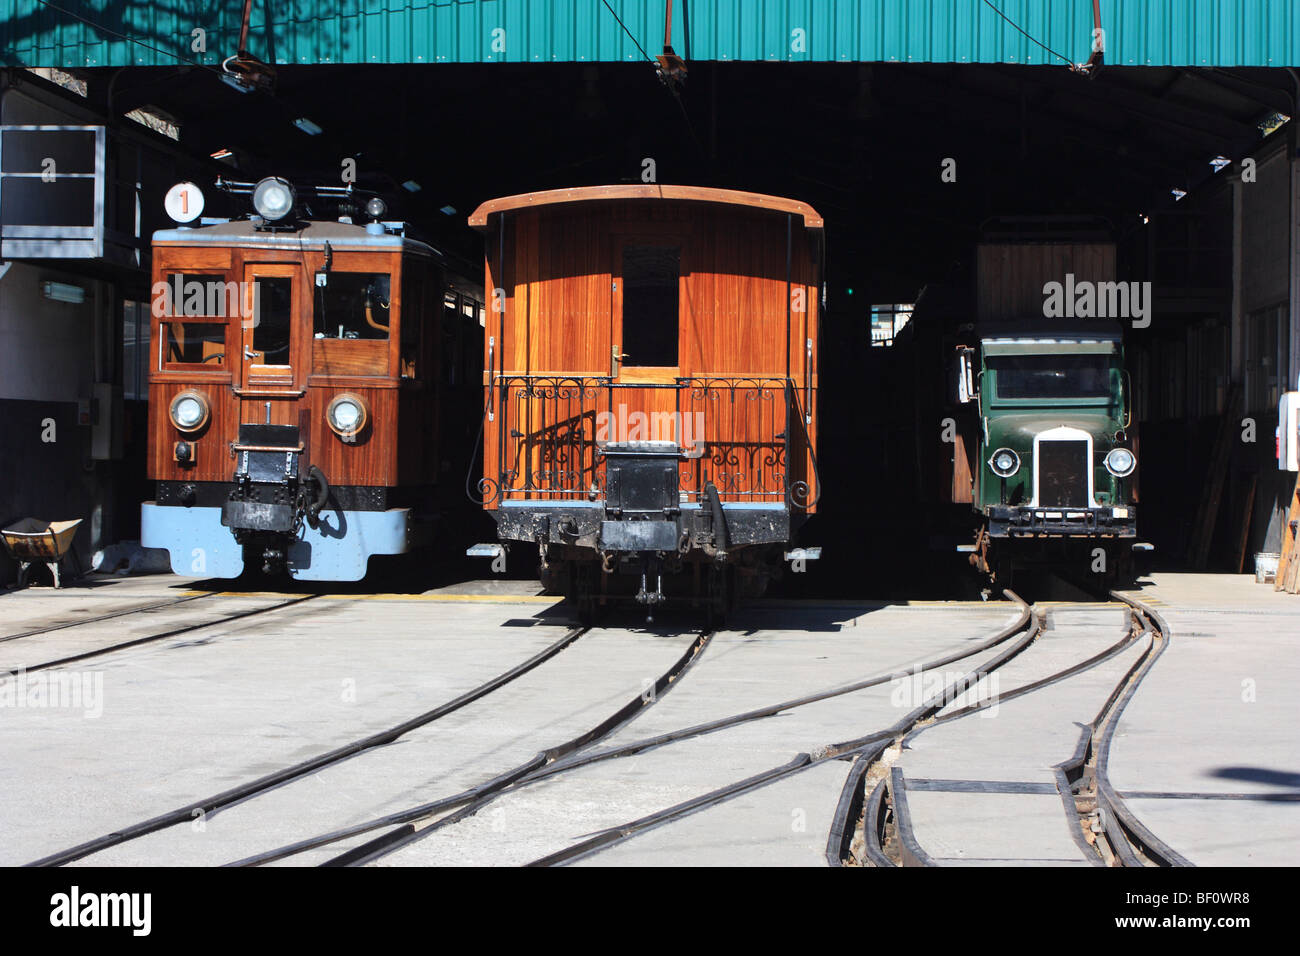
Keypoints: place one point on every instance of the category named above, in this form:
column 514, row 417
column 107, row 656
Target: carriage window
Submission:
column 650, row 281
column 195, row 343
column 200, row 303
column 272, row 319
column 352, row 305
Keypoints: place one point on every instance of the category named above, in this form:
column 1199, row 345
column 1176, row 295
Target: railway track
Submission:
column 426, row 819
column 472, row 801
column 1101, row 829
column 215, row 802
column 144, row 639
column 206, row 807
column 865, row 825
column 1134, row 844
column 864, row 750
column 95, row 619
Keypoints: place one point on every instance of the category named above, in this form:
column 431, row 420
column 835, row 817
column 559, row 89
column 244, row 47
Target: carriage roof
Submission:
column 313, row 234
column 730, row 197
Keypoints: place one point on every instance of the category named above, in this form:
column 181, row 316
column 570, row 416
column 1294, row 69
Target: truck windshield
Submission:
column 1051, row 376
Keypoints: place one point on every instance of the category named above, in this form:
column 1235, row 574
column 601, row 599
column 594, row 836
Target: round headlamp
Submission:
column 376, row 207
column 1120, row 462
column 189, row 411
column 1004, row 462
column 347, row 415
column 273, row 198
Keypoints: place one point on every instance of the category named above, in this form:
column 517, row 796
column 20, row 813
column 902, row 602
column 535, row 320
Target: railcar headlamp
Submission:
column 1120, row 462
column 347, row 415
column 189, row 411
column 376, row 207
column 1004, row 462
column 273, row 198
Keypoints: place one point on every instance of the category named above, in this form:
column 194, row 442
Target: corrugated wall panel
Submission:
column 1138, row 32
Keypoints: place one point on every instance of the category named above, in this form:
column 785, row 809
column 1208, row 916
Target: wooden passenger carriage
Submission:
column 651, row 377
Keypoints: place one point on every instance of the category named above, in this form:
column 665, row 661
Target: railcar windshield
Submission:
column 1051, row 376
column 352, row 305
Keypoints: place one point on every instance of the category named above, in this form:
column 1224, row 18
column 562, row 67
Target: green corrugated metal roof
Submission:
column 1138, row 32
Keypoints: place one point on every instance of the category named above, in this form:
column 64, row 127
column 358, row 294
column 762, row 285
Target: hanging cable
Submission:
column 993, row 7
column 680, row 105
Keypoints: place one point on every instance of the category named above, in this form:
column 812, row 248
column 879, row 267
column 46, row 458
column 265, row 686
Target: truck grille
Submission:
column 1063, row 473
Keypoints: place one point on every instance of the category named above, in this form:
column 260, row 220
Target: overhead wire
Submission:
column 690, row 128
column 1025, row 33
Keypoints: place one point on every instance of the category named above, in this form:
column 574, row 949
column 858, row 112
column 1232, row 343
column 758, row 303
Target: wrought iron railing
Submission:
column 746, row 435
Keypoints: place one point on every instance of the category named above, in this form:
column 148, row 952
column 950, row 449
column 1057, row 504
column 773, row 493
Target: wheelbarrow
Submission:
column 33, row 541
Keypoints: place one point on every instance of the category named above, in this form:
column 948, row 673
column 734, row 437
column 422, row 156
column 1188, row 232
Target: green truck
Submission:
column 1052, row 461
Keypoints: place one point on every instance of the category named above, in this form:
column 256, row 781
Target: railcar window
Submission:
column 451, row 341
column 353, row 305
column 413, row 312
column 195, row 343
column 193, row 294
column 471, row 351
column 272, row 319
column 651, row 277
column 1051, row 376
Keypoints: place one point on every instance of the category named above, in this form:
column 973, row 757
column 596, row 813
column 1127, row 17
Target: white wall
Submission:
column 46, row 348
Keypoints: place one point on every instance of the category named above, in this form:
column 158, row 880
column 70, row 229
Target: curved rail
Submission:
column 225, row 798
column 122, row 612
column 417, row 822
column 1124, row 833
column 866, row 749
column 150, row 638
column 1131, row 830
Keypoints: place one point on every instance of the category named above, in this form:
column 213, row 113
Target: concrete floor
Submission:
column 1207, row 753
column 161, row 724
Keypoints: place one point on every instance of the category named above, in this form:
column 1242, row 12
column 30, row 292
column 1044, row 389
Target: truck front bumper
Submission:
column 1019, row 521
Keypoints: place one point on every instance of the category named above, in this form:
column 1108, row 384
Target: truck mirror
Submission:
column 1288, row 432
column 965, row 375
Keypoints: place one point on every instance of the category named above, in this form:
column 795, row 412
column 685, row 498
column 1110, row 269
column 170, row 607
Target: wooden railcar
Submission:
column 651, row 384
column 299, row 373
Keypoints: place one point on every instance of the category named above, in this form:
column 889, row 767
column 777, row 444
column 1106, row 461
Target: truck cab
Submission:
column 1055, row 459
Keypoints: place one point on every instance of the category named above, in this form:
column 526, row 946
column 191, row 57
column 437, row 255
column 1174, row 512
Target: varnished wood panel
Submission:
column 561, row 307
column 372, row 458
column 349, row 357
column 211, row 446
column 1012, row 275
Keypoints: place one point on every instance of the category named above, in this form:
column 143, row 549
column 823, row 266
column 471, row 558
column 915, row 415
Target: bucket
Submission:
column 1266, row 567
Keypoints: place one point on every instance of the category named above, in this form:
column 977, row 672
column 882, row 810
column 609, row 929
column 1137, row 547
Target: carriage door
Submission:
column 647, row 310
column 642, row 480
column 266, row 326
